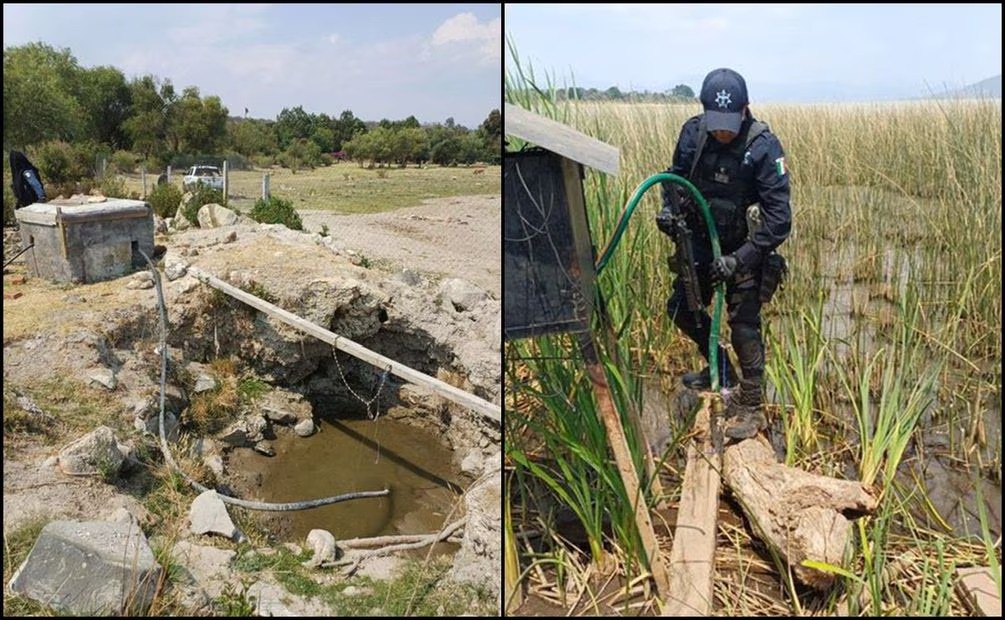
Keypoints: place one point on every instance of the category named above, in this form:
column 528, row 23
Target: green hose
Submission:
column 713, row 234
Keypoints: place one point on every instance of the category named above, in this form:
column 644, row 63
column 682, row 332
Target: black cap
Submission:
column 724, row 95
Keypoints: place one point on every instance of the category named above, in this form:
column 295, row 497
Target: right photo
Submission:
column 752, row 310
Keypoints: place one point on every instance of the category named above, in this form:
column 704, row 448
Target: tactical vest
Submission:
column 717, row 175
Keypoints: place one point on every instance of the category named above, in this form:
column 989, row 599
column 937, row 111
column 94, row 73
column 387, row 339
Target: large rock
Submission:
column 92, row 568
column 208, row 515
column 462, row 294
column 480, row 558
column 95, row 453
column 213, row 215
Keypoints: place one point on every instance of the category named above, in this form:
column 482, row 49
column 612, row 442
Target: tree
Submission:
column 147, row 122
column 252, row 137
column 491, row 133
column 409, row 144
column 197, row 125
column 104, row 99
column 324, row 138
column 294, row 124
column 613, row 93
column 345, row 128
column 40, row 85
column 683, row 91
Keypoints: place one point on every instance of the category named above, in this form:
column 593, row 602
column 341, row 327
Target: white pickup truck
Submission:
column 207, row 175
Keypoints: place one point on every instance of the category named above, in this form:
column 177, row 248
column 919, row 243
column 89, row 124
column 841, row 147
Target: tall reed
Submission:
column 892, row 308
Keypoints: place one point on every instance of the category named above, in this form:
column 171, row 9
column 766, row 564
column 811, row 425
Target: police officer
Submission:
column 735, row 161
column 25, row 181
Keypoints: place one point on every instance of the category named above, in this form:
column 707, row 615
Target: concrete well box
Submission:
column 81, row 242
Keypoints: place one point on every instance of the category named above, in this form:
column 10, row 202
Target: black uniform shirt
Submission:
column 764, row 167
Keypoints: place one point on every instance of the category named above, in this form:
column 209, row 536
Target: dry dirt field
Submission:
column 458, row 237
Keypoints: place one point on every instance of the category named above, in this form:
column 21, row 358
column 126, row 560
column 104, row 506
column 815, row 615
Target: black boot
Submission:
column 702, row 379
column 744, row 415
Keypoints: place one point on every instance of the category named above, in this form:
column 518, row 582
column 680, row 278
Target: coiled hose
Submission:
column 713, row 234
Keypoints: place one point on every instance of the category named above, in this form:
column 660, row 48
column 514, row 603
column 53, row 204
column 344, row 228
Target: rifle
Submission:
column 672, row 222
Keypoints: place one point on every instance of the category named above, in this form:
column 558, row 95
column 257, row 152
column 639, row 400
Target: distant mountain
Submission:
column 991, row 87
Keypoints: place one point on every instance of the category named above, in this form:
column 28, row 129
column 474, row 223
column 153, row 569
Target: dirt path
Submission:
column 448, row 237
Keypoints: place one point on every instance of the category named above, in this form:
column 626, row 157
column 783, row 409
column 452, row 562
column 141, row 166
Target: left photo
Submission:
column 252, row 310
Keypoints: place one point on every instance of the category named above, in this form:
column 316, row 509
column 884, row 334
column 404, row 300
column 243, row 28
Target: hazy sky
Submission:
column 810, row 52
column 380, row 61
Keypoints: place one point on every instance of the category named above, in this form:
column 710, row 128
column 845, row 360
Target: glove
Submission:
column 724, row 268
column 683, row 195
column 664, row 221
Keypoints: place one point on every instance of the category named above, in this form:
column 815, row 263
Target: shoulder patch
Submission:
column 780, row 167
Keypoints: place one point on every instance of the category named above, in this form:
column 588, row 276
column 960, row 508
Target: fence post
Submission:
column 169, row 174
column 143, row 177
column 104, row 166
column 265, row 187
column 226, row 181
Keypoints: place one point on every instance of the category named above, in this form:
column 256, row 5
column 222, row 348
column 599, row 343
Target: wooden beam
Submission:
column 470, row 401
column 692, row 558
column 561, row 139
column 976, row 586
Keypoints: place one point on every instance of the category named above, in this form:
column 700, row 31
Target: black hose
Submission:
column 30, row 246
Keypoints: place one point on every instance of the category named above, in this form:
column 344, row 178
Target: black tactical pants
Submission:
column 743, row 305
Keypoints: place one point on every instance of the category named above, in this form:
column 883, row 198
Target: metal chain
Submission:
column 376, row 396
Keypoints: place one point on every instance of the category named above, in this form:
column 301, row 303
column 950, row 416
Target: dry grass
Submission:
column 347, row 188
column 67, row 307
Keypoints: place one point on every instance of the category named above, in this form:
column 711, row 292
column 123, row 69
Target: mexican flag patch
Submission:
column 780, row 166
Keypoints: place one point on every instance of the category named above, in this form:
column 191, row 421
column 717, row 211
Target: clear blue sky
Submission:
column 381, row 61
column 813, row 52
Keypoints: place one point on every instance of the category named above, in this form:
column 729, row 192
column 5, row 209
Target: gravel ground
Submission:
column 458, row 237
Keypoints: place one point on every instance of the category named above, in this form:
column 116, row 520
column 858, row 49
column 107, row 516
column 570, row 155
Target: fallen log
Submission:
column 801, row 516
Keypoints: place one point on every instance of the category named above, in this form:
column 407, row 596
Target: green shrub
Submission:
column 58, row 163
column 165, row 200
column 113, row 186
column 202, row 195
column 263, row 161
column 123, row 162
column 276, row 211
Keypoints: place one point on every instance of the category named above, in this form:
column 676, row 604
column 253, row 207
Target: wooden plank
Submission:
column 623, row 458
column 561, row 139
column 479, row 405
column 692, row 558
column 977, row 588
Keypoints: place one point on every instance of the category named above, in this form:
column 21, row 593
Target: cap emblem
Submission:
column 723, row 99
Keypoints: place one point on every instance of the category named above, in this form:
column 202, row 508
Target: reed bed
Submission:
column 889, row 326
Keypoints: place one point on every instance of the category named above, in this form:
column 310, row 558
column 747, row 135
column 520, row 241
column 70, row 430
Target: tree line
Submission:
column 70, row 116
column 680, row 93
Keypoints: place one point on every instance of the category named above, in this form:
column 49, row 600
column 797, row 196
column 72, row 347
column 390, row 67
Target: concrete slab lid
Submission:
column 561, row 139
column 112, row 208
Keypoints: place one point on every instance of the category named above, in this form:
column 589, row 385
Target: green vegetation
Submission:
column 96, row 115
column 418, row 589
column 276, row 211
column 165, row 200
column 234, row 603
column 889, row 324
column 200, row 197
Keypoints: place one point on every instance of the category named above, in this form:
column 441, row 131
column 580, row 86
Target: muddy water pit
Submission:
column 349, row 453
